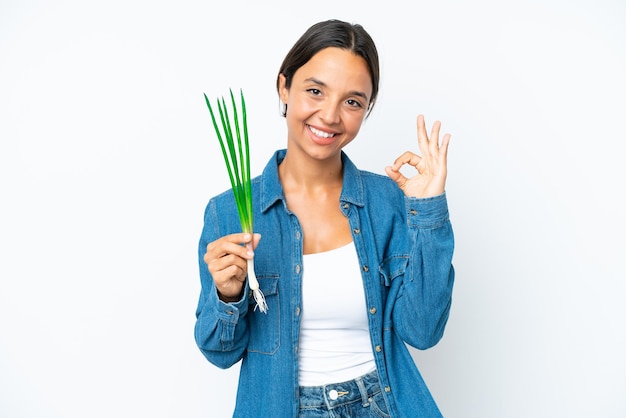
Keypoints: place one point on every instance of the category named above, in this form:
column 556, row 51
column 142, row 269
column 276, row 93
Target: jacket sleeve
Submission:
column 423, row 301
column 221, row 328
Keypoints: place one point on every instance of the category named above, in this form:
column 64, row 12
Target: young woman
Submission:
column 352, row 264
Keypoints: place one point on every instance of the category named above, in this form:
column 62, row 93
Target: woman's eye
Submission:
column 354, row 103
column 315, row 92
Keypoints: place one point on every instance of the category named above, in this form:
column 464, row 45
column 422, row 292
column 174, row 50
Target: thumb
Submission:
column 256, row 237
column 396, row 176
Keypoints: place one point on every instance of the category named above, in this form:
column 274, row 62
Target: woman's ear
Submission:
column 283, row 91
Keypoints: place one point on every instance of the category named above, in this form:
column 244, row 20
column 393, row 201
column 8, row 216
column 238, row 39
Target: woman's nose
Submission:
column 329, row 112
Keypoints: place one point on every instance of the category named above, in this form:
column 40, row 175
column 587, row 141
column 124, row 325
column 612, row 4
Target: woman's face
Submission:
column 327, row 102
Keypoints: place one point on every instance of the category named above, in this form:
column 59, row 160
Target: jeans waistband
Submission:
column 336, row 394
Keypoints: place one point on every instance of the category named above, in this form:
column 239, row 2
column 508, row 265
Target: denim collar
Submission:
column 272, row 189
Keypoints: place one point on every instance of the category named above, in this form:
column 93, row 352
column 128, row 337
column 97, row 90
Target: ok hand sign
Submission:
column 432, row 166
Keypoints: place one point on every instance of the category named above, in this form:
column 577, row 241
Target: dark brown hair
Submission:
column 332, row 33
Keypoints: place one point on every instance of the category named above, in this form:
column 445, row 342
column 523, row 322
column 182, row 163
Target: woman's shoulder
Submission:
column 222, row 197
column 226, row 195
column 374, row 177
column 379, row 183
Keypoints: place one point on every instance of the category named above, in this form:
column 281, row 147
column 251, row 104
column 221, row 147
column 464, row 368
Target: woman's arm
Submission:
column 422, row 304
column 221, row 326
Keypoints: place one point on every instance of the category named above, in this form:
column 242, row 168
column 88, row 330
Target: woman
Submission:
column 352, row 264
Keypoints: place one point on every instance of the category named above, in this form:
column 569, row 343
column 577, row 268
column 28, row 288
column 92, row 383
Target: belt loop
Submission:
column 364, row 398
column 326, row 400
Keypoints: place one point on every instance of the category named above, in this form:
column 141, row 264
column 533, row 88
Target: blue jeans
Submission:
column 358, row 398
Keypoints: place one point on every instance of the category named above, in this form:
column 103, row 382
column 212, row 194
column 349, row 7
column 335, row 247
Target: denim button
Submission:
column 333, row 394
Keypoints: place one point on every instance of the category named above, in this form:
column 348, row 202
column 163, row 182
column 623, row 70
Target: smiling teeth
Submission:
column 321, row 133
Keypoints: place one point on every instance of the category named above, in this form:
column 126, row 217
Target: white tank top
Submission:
column 334, row 335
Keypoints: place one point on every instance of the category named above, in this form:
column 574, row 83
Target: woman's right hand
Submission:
column 226, row 259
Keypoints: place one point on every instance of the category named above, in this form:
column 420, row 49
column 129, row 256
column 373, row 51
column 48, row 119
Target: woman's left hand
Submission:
column 432, row 166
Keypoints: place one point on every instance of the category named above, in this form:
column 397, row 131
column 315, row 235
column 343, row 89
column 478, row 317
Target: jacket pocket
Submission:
column 265, row 327
column 393, row 267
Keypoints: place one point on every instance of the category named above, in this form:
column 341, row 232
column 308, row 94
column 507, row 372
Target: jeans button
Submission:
column 333, row 394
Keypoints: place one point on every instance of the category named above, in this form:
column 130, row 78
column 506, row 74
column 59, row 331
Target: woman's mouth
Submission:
column 320, row 133
column 325, row 137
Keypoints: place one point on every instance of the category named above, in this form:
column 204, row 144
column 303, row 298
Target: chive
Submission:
column 237, row 160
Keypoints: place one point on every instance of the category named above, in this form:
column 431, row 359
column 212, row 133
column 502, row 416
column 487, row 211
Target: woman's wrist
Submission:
column 230, row 299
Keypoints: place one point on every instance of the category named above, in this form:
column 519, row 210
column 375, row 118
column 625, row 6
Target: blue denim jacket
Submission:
column 405, row 248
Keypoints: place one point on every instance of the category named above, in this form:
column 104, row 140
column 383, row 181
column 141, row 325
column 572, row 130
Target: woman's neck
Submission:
column 308, row 174
column 312, row 190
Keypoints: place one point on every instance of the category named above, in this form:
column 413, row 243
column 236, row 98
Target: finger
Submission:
column 443, row 149
column 230, row 264
column 221, row 248
column 230, row 244
column 255, row 240
column 434, row 137
column 396, row 176
column 422, row 136
column 240, row 238
column 229, row 281
column 221, row 262
column 227, row 268
column 406, row 158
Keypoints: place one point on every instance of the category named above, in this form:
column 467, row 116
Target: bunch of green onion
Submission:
column 237, row 161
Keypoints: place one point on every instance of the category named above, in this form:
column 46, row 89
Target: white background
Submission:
column 108, row 157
